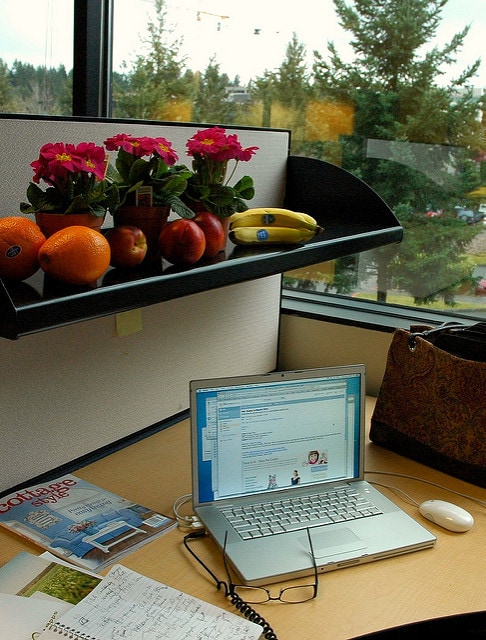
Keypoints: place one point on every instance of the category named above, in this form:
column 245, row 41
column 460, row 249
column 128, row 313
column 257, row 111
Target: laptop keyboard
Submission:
column 291, row 514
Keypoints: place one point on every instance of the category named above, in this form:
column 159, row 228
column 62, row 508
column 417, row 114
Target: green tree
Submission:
column 392, row 82
column 263, row 90
column 156, row 79
column 435, row 248
column 66, row 96
column 41, row 89
column 292, row 79
column 292, row 86
column 211, row 98
column 7, row 100
column 284, row 93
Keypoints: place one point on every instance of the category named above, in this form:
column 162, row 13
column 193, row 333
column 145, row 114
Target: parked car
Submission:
column 481, row 287
column 469, row 215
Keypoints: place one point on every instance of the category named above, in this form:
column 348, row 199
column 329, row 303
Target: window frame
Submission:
column 92, row 97
column 367, row 314
column 92, row 58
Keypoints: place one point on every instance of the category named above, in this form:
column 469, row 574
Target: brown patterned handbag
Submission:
column 432, row 402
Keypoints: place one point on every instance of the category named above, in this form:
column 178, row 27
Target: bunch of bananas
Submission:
column 271, row 225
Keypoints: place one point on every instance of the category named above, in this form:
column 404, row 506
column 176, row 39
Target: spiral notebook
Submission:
column 130, row 605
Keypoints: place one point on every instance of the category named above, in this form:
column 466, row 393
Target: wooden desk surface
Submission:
column 444, row 580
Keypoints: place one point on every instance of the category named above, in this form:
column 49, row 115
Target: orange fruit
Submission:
column 20, row 241
column 75, row 255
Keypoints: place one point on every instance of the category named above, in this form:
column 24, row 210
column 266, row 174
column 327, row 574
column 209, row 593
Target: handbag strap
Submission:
column 477, row 329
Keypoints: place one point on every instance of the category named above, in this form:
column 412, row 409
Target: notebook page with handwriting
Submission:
column 128, row 604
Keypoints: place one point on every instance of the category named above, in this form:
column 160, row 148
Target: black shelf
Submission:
column 354, row 218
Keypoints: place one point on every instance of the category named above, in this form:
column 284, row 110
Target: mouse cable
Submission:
column 402, row 493
column 435, row 484
column 185, row 522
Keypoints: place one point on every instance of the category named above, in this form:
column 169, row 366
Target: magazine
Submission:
column 81, row 522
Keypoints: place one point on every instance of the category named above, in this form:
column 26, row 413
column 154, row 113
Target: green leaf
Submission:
column 180, row 208
column 48, row 200
column 245, row 188
column 139, row 171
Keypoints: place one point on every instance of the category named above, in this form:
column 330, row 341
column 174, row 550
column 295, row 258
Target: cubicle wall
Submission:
column 69, row 391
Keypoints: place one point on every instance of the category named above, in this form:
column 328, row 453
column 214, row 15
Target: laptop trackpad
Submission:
column 332, row 542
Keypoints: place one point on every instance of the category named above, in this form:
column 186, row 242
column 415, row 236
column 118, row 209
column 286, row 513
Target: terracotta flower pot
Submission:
column 49, row 223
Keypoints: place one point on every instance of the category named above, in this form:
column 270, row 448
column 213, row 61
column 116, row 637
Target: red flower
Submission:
column 121, row 140
column 247, row 153
column 144, row 146
column 92, row 159
column 211, row 150
column 214, row 144
column 75, row 178
column 57, row 161
column 164, row 149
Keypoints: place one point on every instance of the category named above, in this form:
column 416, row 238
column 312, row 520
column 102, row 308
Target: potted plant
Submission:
column 77, row 190
column 149, row 183
column 208, row 187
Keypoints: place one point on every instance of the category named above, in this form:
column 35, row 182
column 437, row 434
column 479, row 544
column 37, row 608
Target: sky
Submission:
column 247, row 37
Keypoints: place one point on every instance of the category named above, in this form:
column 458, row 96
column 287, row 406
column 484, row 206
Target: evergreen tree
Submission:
column 432, row 260
column 292, row 85
column 7, row 100
column 393, row 87
column 41, row 89
column 284, row 93
column 157, row 80
column 263, row 90
column 292, row 88
column 210, row 102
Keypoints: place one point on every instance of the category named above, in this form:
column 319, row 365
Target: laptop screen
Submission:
column 259, row 433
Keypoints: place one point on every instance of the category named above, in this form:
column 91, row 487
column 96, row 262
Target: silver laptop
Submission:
column 278, row 455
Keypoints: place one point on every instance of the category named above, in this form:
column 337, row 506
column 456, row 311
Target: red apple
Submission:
column 182, row 241
column 213, row 230
column 128, row 246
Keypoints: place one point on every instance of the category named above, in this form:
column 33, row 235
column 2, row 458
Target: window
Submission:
column 400, row 114
column 36, row 56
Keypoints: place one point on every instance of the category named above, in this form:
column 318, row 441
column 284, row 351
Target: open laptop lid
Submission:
column 251, row 434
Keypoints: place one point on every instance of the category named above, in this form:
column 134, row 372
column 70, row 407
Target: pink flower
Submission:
column 76, row 181
column 144, row 146
column 121, row 140
column 91, row 159
column 57, row 160
column 214, row 144
column 81, row 526
column 165, row 151
column 211, row 150
column 131, row 145
column 246, row 154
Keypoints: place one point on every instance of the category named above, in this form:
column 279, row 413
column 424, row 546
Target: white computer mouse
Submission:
column 447, row 515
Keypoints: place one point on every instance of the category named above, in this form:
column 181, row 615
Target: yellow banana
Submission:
column 272, row 217
column 271, row 235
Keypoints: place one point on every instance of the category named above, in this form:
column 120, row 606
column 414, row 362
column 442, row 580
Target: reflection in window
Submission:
column 400, row 114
